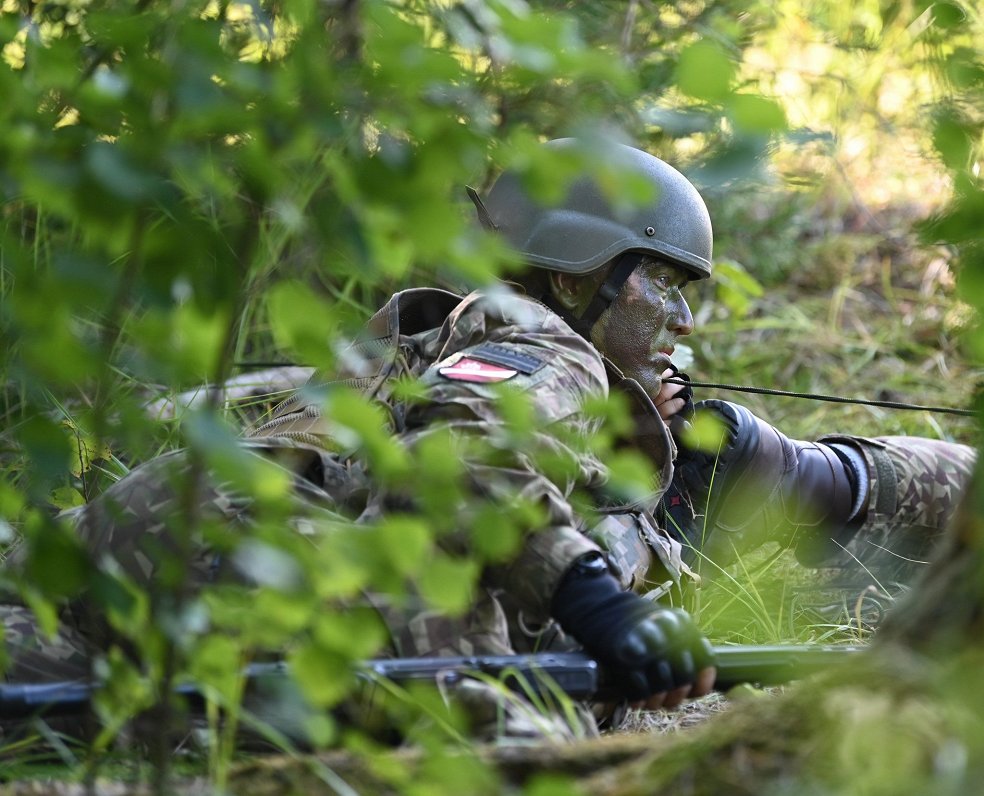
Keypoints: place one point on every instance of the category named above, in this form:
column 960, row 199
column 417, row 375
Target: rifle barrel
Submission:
column 574, row 673
column 776, row 664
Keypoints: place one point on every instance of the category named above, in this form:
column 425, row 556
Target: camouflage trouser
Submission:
column 136, row 527
column 32, row 657
column 916, row 485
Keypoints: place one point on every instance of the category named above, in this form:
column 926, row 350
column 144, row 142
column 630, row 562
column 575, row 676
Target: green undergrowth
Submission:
column 191, row 190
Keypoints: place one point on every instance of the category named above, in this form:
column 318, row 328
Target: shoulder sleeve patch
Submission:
column 496, row 354
column 475, row 371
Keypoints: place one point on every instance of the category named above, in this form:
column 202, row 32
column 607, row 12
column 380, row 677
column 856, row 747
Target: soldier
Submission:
column 845, row 501
column 602, row 311
column 574, row 336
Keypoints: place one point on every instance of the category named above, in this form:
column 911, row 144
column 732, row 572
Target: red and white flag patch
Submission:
column 468, row 369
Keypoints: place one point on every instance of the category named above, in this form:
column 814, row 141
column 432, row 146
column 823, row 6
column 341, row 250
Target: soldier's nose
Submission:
column 680, row 320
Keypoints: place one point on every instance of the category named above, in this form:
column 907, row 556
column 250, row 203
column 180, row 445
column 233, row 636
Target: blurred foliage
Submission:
column 186, row 186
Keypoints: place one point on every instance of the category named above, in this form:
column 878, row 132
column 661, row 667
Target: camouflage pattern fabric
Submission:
column 138, row 527
column 417, row 630
column 563, row 372
column 31, row 656
column 916, row 485
column 160, row 513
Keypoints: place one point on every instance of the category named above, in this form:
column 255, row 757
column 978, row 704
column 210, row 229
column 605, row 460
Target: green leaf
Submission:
column 324, row 678
column 184, row 344
column 81, row 278
column 57, row 565
column 948, row 16
column 126, row 691
column 960, row 222
column 278, row 616
column 954, row 137
column 196, row 341
column 965, row 69
column 631, row 475
column 66, row 497
column 364, row 425
column 705, row 72
column 301, row 322
column 452, row 772
column 119, row 173
column 124, row 603
column 448, row 584
column 217, row 664
column 971, row 289
column 48, row 445
column 736, row 288
column 551, row 785
column 357, row 633
column 12, row 502
column 267, row 565
column 705, row 433
column 247, row 471
column 495, row 534
column 320, row 729
column 45, row 611
column 88, row 449
column 339, row 570
column 405, row 541
column 754, row 114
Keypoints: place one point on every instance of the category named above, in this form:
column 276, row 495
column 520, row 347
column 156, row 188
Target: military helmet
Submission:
column 586, row 230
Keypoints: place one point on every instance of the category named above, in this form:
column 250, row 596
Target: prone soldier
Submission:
column 601, row 310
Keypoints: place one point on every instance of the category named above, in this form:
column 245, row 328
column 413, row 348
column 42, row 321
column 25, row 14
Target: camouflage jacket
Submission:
column 461, row 351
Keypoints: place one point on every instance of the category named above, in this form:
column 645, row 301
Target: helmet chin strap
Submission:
column 602, row 299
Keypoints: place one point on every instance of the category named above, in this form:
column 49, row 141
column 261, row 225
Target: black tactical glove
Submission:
column 763, row 486
column 646, row 649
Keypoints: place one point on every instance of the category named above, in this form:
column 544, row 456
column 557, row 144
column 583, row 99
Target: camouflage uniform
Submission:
column 416, row 335
column 420, row 334
column 915, row 487
column 425, row 334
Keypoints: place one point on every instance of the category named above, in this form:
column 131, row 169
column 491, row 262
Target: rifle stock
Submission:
column 573, row 673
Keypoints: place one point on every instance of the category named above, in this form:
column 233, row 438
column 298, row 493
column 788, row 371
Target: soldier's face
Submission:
column 639, row 331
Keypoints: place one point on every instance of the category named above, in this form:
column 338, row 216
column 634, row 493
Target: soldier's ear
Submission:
column 568, row 290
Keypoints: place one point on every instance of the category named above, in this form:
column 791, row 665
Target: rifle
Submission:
column 576, row 674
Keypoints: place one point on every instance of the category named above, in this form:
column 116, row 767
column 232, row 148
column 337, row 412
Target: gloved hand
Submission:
column 646, row 649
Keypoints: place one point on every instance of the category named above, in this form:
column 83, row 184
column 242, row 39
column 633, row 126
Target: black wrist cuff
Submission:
column 590, row 605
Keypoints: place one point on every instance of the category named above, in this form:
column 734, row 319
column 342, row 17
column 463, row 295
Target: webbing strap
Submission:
column 609, row 288
column 603, row 298
column 885, row 500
